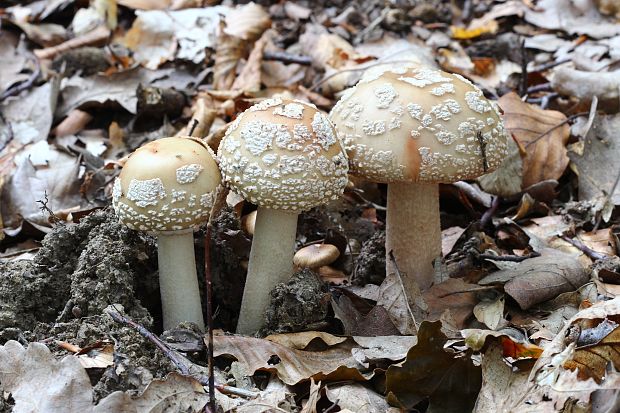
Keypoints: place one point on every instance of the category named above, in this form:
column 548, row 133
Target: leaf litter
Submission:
column 522, row 316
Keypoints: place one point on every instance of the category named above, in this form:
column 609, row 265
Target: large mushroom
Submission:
column 413, row 128
column 283, row 156
column 166, row 188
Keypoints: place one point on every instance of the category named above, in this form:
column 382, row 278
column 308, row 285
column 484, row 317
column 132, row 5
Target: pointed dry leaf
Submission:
column 598, row 167
column 455, row 295
column 292, row 366
column 542, row 278
column 300, row 341
column 507, row 179
column 490, row 312
column 249, row 79
column 315, row 394
column 403, row 313
column 358, row 398
column 543, row 134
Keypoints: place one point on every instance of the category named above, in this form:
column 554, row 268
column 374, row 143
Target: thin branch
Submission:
column 25, row 85
column 509, row 258
column 208, row 281
column 288, row 58
column 584, row 248
column 174, row 357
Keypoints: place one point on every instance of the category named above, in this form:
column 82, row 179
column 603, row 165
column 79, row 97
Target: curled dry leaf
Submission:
column 358, row 398
column 38, row 382
column 539, row 279
column 542, row 133
column 598, row 166
column 586, row 85
column 449, row 383
column 247, row 22
column 292, row 366
column 513, row 343
column 158, row 36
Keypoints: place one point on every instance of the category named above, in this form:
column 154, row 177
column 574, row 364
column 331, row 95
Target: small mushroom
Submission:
column 166, row 187
column 315, row 256
column 248, row 223
column 413, row 128
column 283, row 156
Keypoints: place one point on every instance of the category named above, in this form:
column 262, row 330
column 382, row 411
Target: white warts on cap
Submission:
column 147, row 192
column 188, row 173
column 285, row 156
column 404, row 124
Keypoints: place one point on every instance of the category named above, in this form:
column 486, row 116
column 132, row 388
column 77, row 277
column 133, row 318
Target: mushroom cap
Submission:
column 316, row 255
column 166, row 185
column 416, row 124
column 283, row 154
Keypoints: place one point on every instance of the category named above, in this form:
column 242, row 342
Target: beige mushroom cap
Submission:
column 316, row 255
column 283, row 154
column 166, row 185
column 416, row 124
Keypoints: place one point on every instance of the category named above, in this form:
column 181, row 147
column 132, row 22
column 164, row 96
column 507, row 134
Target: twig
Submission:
column 469, row 290
column 485, row 220
column 208, row 281
column 523, row 83
column 543, row 87
column 551, row 65
column 95, row 36
column 25, row 85
column 510, row 258
column 332, row 406
column 584, row 248
column 175, row 358
column 288, row 58
column 554, row 127
column 355, row 69
column 193, row 126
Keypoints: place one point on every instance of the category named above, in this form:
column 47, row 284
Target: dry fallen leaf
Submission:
column 542, row 133
column 358, row 398
column 449, row 383
column 40, row 383
column 292, row 366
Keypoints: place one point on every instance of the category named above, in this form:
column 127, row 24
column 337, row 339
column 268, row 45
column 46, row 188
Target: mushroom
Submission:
column 248, row 222
column 283, row 156
column 316, row 255
column 413, row 128
column 166, row 188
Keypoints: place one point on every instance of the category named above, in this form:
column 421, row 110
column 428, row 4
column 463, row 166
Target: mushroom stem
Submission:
column 413, row 232
column 178, row 283
column 271, row 262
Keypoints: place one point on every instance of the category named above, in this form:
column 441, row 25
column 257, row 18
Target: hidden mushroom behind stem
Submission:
column 166, row 187
column 413, row 128
column 283, row 156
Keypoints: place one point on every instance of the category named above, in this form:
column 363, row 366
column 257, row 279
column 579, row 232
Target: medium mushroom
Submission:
column 413, row 128
column 166, row 188
column 315, row 256
column 283, row 156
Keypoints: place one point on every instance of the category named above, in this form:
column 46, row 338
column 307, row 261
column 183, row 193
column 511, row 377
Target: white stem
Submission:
column 413, row 232
column 271, row 262
column 178, row 283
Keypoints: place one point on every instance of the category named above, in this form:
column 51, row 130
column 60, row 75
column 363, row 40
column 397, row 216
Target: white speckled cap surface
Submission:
column 283, row 154
column 166, row 185
column 415, row 124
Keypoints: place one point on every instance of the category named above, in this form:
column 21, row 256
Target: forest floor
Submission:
column 522, row 315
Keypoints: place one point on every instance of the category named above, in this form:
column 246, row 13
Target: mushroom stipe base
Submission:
column 271, row 262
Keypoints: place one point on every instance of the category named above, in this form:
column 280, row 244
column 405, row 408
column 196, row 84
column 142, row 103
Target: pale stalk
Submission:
column 178, row 283
column 413, row 233
column 271, row 263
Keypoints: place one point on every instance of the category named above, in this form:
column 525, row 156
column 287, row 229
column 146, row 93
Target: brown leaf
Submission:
column 249, row 79
column 292, row 366
column 300, row 341
column 598, row 166
column 247, row 22
column 455, row 295
column 376, row 322
column 358, row 398
column 430, row 372
column 597, row 347
column 542, row 278
column 315, row 394
column 543, row 133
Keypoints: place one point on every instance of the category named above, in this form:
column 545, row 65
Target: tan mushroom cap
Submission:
column 285, row 155
column 416, row 124
column 166, row 185
column 316, row 255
